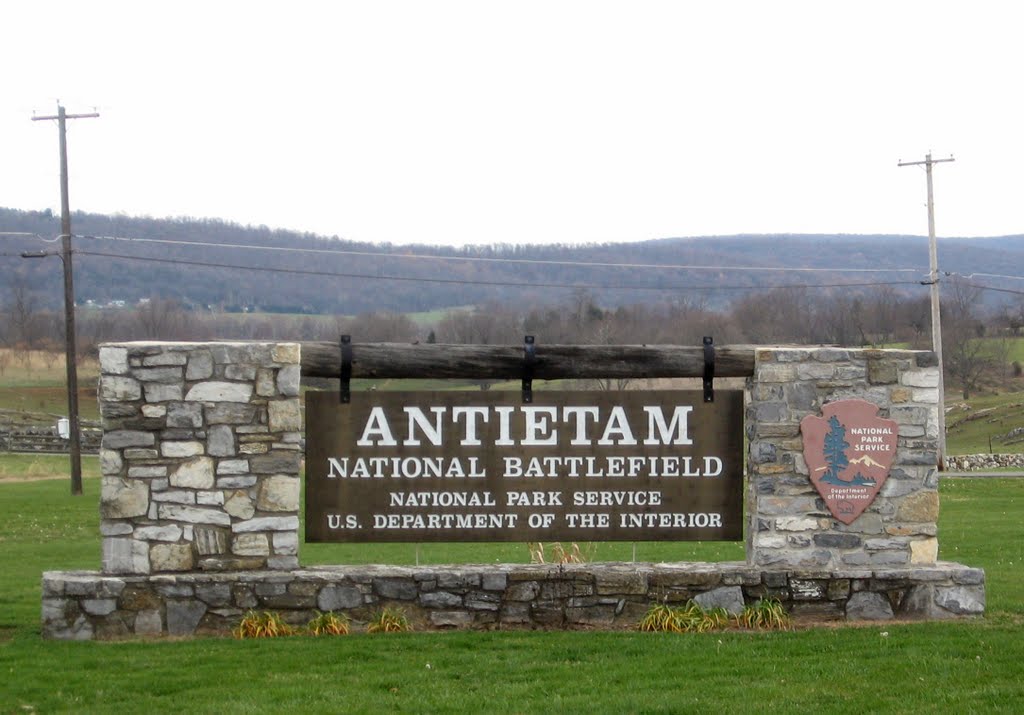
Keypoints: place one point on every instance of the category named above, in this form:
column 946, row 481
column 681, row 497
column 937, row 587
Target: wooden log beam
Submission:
column 505, row 362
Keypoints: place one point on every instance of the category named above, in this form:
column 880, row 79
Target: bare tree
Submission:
column 966, row 356
column 160, row 318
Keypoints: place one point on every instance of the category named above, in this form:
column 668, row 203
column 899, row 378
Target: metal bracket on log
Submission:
column 709, row 369
column 529, row 358
column 345, row 376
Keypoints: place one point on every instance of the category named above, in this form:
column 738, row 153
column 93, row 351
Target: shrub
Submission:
column 766, row 614
column 690, row 618
column 328, row 624
column 389, row 620
column 262, row 625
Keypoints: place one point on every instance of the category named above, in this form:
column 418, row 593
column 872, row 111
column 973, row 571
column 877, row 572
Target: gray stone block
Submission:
column 214, row 594
column 398, row 589
column 148, row 623
column 113, row 360
column 184, row 616
column 165, row 375
column 451, row 619
column 220, row 441
column 230, row 414
column 194, row 515
column 440, row 599
column 336, row 597
column 728, row 597
column 961, row 600
column 120, row 499
column 119, row 389
column 99, row 606
column 217, row 391
column 288, row 380
column 275, row 463
column 266, row 523
column 119, row 439
column 200, row 365
column 125, row 556
column 868, row 606
column 159, row 392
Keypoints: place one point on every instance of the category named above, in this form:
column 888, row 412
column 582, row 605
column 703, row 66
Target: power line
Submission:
column 990, row 275
column 461, row 281
column 479, row 259
column 992, row 288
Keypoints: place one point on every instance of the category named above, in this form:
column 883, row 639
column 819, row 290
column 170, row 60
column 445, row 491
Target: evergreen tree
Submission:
column 835, row 451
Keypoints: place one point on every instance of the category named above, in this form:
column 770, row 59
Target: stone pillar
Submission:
column 200, row 456
column 790, row 527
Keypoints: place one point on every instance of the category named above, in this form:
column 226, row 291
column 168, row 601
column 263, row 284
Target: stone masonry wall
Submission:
column 200, row 456
column 789, row 524
column 82, row 606
column 200, row 496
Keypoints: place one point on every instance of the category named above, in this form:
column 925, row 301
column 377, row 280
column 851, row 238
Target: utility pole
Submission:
column 70, row 351
column 933, row 281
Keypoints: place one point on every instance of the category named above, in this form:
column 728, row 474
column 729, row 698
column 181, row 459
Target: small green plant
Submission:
column 766, row 614
column 262, row 625
column 389, row 620
column 661, row 618
column 689, row 618
column 328, row 624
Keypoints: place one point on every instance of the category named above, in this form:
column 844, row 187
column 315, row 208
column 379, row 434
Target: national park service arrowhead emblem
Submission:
column 849, row 451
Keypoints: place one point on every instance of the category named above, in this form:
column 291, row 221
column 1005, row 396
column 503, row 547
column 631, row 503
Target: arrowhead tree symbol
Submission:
column 835, row 451
column 848, row 486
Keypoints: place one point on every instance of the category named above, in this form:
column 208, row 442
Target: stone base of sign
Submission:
column 81, row 605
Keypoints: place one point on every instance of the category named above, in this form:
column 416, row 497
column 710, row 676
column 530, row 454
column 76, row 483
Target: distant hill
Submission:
column 324, row 281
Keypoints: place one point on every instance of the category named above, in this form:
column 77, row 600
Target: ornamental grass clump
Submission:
column 262, row 625
column 389, row 620
column 767, row 614
column 328, row 624
column 558, row 553
column 689, row 618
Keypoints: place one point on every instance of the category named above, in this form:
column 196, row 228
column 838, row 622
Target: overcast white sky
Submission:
column 522, row 122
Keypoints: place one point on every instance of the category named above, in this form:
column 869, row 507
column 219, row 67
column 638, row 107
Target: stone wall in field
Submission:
column 200, row 456
column 789, row 525
column 83, row 606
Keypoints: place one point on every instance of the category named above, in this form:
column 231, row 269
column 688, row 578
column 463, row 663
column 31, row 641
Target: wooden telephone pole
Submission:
column 933, row 280
column 70, row 356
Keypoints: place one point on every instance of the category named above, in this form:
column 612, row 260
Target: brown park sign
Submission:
column 849, row 451
column 484, row 466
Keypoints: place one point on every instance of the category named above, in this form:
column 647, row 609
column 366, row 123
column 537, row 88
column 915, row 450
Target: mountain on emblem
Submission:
column 849, row 451
column 867, row 461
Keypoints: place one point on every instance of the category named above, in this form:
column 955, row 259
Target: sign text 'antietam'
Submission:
column 584, row 466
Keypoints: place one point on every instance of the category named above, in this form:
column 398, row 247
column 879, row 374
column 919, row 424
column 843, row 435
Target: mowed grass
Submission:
column 971, row 666
column 21, row 466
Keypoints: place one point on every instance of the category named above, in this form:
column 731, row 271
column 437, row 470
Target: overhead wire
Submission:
column 483, row 259
column 463, row 281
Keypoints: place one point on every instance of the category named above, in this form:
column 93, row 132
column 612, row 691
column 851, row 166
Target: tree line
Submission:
column 976, row 336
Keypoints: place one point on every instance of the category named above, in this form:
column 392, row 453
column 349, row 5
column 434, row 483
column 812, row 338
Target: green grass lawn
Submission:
column 990, row 418
column 945, row 667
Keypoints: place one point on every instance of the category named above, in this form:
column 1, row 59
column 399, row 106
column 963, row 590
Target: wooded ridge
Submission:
column 224, row 266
